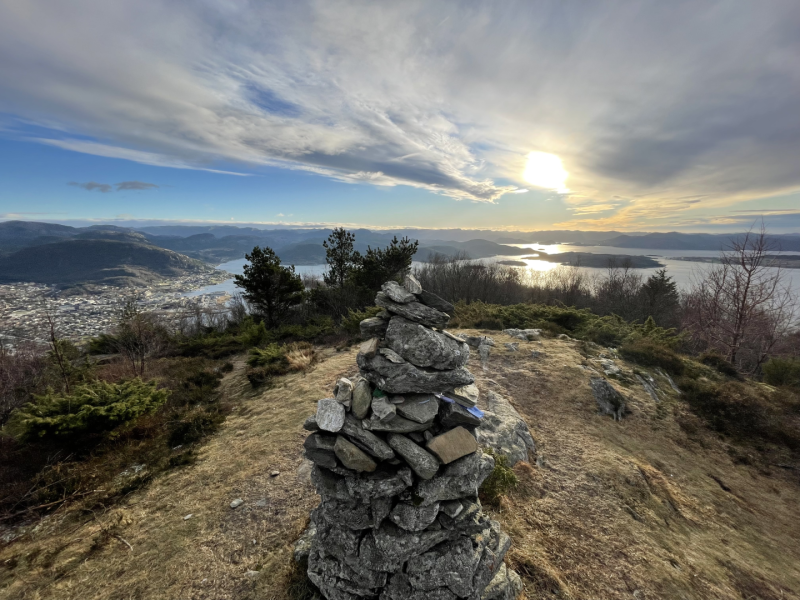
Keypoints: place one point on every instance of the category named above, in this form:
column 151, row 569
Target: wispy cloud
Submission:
column 650, row 103
column 91, row 186
column 122, row 186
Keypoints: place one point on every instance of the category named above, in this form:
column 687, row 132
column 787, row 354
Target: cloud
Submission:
column 135, row 185
column 651, row 103
column 91, row 186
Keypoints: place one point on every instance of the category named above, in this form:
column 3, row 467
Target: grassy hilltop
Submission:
column 658, row 505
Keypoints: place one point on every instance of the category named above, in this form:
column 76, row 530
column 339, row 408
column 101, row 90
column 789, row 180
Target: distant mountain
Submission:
column 693, row 241
column 98, row 261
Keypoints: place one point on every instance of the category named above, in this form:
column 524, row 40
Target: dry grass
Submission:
column 300, row 356
column 630, row 509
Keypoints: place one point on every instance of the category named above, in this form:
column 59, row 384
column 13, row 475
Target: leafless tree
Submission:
column 139, row 336
column 743, row 306
column 58, row 349
column 21, row 371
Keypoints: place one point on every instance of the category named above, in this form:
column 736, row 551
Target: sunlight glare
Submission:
column 546, row 171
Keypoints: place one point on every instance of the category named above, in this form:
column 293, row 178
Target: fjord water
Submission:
column 681, row 270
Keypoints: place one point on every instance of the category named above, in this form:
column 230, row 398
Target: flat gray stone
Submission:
column 396, row 425
column 362, row 398
column 424, row 347
column 436, row 302
column 370, row 347
column 310, row 424
column 414, row 518
column 330, row 415
column 391, row 356
column 413, row 311
column 478, row 340
column 383, row 482
column 504, row 430
column 373, row 327
column 421, row 408
column 452, row 445
column 319, row 449
column 452, row 564
column 420, row 461
column 398, row 293
column 460, row 479
column 366, row 440
column 506, row 585
column 383, row 409
column 405, row 378
column 352, row 456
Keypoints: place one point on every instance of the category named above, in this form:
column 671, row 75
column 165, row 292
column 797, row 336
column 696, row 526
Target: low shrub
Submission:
column 194, row 425
column 269, row 355
column 782, row 372
column 649, row 353
column 93, row 408
column 715, row 361
column 501, row 480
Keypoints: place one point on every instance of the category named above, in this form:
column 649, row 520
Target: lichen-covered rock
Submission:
column 465, row 395
column 405, row 378
column 413, row 311
column 382, row 409
column 319, row 449
column 366, row 440
column 504, row 431
column 382, row 483
column 452, row 445
column 352, row 456
column 414, row 518
column 452, row 564
column 343, row 392
column 330, row 415
column 397, row 293
column 424, row 347
column 506, row 585
column 362, row 398
column 460, row 479
column 396, row 425
column 412, row 284
column 373, row 327
column 434, row 301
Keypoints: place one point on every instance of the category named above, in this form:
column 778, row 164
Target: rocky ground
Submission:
column 650, row 506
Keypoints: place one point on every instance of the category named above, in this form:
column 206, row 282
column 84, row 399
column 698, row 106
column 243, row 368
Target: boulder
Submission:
column 370, row 347
column 609, row 400
column 452, row 445
column 373, row 327
column 506, row 585
column 524, row 334
column 460, row 479
column 413, row 311
column 362, row 398
column 478, row 340
column 405, row 378
column 366, row 440
column 434, row 301
column 398, row 293
column 330, row 415
column 420, row 461
column 504, row 431
column 421, row 408
column 452, row 564
column 310, row 424
column 352, row 456
column 424, row 347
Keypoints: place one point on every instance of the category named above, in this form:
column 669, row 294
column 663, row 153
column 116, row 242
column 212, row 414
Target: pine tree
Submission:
column 342, row 259
column 269, row 287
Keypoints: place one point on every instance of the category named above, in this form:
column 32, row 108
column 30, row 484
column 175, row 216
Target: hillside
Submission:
column 653, row 506
column 692, row 241
column 99, row 261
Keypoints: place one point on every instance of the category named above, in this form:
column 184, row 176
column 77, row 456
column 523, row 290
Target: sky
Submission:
column 632, row 116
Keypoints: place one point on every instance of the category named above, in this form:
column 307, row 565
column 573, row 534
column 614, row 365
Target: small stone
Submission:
column 362, row 398
column 465, row 395
column 274, row 473
column 383, row 409
column 398, row 293
column 420, row 461
column 187, row 517
column 251, row 574
column 330, row 415
column 262, row 502
column 343, row 391
column 366, row 440
column 452, row 508
column 310, row 424
column 452, row 414
column 397, row 399
column 478, row 340
column 353, row 457
column 373, row 327
column 412, row 284
column 453, row 445
column 512, row 346
column 369, row 348
column 237, row 503
column 419, row 407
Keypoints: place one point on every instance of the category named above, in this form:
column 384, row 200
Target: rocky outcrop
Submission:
column 397, row 465
column 504, row 431
column 609, row 400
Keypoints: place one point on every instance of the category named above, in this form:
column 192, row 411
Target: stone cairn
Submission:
column 398, row 467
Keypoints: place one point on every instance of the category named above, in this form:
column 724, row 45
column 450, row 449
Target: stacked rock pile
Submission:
column 398, row 467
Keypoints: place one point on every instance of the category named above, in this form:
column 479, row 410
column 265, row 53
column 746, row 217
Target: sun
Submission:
column 546, row 171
